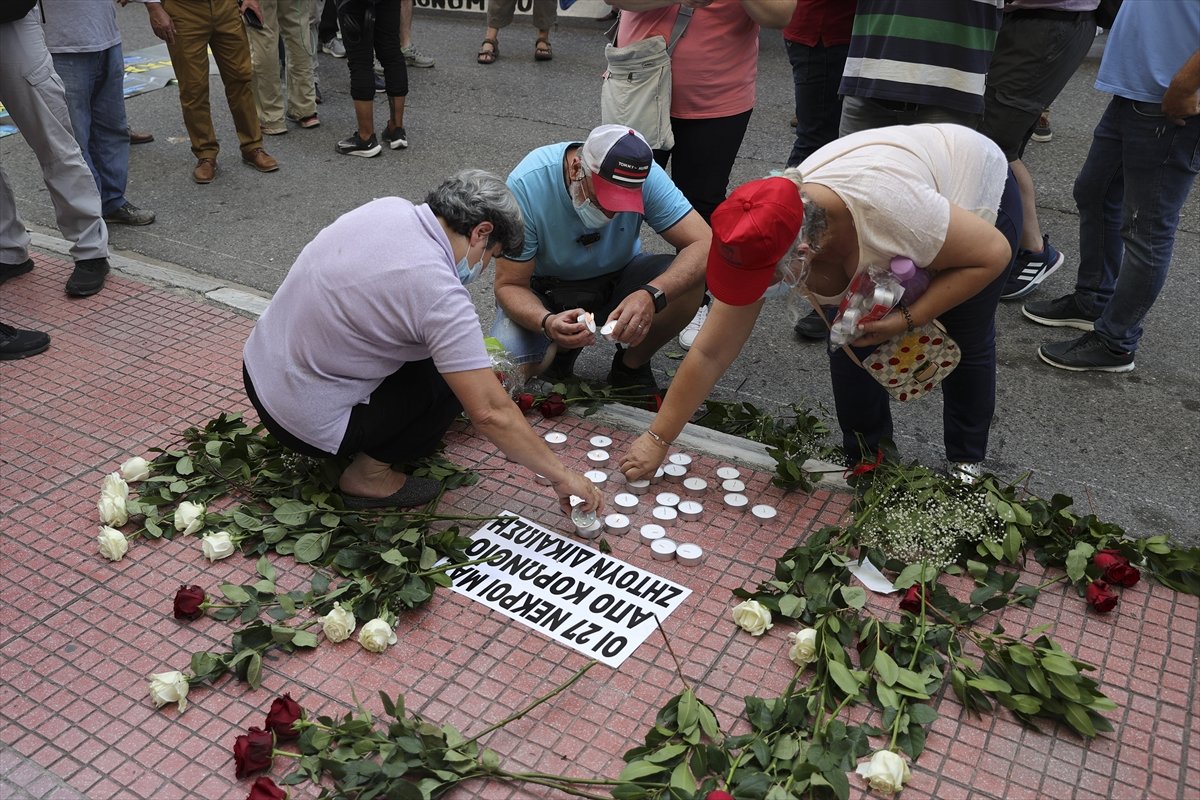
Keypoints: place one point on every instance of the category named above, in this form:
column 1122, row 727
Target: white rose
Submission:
column 169, row 687
column 338, row 624
column 752, row 617
column 189, row 518
column 135, row 469
column 886, row 771
column 376, row 635
column 112, row 543
column 114, row 486
column 804, row 647
column 113, row 511
column 217, row 545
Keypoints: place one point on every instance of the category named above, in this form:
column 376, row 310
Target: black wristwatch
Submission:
column 657, row 295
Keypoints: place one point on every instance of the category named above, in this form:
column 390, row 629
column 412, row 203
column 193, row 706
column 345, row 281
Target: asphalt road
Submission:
column 1124, row 446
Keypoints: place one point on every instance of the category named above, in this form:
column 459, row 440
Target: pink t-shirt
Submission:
column 715, row 66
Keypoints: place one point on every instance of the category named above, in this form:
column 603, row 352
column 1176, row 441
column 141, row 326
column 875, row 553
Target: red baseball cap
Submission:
column 619, row 159
column 752, row 230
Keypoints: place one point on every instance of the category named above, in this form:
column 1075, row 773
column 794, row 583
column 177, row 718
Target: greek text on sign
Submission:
column 591, row 602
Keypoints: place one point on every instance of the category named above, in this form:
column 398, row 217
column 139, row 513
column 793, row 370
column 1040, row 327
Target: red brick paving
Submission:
column 132, row 367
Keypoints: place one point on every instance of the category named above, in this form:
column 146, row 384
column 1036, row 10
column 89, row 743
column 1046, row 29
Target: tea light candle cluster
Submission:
column 668, row 508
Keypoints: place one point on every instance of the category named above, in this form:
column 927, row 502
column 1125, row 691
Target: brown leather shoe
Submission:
column 205, row 171
column 260, row 160
column 140, row 137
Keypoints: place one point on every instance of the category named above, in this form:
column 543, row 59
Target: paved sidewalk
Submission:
column 132, row 367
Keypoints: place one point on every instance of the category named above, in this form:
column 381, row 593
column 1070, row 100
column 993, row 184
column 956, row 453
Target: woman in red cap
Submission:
column 940, row 195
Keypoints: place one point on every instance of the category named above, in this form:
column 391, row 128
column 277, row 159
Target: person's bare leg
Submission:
column 367, row 477
column 364, row 114
column 397, row 118
column 1031, row 232
column 406, row 11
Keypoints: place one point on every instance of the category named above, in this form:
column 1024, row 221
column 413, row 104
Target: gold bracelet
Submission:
column 658, row 438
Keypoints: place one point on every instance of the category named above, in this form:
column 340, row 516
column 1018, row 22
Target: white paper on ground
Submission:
column 871, row 577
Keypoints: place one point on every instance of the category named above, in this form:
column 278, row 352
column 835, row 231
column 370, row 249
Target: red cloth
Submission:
column 821, row 22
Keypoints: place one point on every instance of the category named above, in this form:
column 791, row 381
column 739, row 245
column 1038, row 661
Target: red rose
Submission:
column 553, row 406
column 1100, row 597
column 188, row 601
column 1116, row 568
column 525, row 401
column 252, row 752
column 265, row 789
column 911, row 602
column 284, row 711
column 717, row 794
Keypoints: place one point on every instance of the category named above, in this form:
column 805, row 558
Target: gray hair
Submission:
column 471, row 196
column 808, row 239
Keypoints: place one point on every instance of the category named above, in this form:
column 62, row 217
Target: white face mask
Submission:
column 588, row 212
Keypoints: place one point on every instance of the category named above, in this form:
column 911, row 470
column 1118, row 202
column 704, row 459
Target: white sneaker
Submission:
column 687, row 336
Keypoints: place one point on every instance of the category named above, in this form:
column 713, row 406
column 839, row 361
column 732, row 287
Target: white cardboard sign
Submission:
column 591, row 602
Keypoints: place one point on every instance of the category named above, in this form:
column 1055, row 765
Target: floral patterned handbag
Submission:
column 910, row 365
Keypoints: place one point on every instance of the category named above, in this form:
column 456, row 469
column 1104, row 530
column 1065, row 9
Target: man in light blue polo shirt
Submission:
column 583, row 205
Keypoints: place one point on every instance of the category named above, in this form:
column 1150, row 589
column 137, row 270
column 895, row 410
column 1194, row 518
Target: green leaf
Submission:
column 986, row 683
column 688, row 712
column 791, row 606
column 855, row 596
column 1013, row 543
column 1079, row 719
column 394, row 556
column 304, row 639
column 921, row 714
column 636, row 770
column 843, row 678
column 265, row 568
column 1021, row 654
column 1058, row 665
column 909, row 576
column 293, row 512
column 254, row 671
column 977, row 569
column 885, row 665
column 235, row 594
column 887, row 696
column 311, row 547
column 1077, row 560
column 681, row 779
column 184, row 466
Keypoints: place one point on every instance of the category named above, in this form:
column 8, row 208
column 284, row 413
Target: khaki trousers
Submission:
column 291, row 19
column 216, row 24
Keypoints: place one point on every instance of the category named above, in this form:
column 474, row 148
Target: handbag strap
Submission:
column 820, row 313
column 681, row 22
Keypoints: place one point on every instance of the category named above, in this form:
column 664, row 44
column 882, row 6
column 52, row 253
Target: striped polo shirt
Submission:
column 927, row 52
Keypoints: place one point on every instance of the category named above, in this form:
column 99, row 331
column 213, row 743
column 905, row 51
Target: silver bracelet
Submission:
column 657, row 438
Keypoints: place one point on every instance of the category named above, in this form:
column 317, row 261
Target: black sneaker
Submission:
column 1061, row 312
column 129, row 214
column 811, row 327
column 16, row 343
column 395, row 138
column 1030, row 269
column 13, row 270
column 640, row 379
column 88, row 277
column 563, row 365
column 1088, row 353
column 354, row 146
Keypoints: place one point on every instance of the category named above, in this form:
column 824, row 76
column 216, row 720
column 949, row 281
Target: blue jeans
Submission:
column 968, row 393
column 1133, row 183
column 817, row 72
column 96, row 103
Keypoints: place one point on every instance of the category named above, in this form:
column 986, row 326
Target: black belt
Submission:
column 898, row 105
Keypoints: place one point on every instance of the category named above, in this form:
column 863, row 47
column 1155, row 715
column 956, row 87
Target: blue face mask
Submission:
column 467, row 273
column 591, row 216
